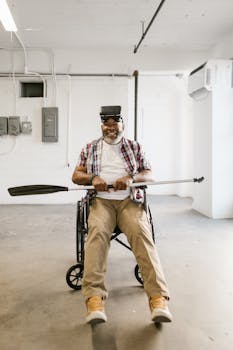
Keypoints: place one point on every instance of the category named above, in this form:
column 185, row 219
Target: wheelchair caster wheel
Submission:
column 138, row 274
column 74, row 276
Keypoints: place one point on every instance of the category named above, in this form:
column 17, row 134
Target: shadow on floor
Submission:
column 104, row 337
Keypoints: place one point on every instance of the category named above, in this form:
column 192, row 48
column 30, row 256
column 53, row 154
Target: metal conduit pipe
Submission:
column 135, row 74
column 19, row 74
column 149, row 25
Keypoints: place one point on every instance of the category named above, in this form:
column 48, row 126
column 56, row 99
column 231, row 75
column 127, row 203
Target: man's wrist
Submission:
column 92, row 178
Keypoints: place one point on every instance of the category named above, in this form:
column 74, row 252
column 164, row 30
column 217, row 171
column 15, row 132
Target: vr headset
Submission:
column 111, row 112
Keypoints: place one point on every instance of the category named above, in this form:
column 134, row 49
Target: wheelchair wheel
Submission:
column 138, row 274
column 74, row 276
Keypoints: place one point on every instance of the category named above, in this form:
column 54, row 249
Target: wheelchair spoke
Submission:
column 74, row 279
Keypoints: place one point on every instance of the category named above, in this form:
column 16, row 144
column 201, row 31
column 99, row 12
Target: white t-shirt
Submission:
column 112, row 168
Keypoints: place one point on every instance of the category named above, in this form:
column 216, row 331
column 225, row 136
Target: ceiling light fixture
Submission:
column 6, row 17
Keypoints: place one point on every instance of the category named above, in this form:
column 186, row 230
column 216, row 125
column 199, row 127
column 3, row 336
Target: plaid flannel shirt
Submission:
column 131, row 153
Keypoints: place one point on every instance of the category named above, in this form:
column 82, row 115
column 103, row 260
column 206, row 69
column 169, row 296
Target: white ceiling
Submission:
column 181, row 25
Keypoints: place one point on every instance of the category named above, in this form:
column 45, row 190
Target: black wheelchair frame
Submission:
column 74, row 274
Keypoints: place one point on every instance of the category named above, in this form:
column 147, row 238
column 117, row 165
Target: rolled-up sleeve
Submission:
column 143, row 163
column 82, row 160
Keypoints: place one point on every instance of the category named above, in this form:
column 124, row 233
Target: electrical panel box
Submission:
column 49, row 124
column 3, row 125
column 14, row 126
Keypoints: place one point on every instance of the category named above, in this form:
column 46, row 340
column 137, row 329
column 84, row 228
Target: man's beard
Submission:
column 113, row 140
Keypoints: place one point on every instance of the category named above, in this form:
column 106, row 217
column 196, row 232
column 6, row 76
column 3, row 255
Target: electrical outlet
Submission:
column 26, row 127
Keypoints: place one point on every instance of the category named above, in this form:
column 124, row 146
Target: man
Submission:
column 114, row 160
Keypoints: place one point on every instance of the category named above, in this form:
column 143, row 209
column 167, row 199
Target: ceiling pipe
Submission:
column 148, row 27
column 72, row 75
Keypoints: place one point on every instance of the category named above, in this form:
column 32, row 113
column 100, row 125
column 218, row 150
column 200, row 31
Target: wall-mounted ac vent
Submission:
column 31, row 89
column 212, row 74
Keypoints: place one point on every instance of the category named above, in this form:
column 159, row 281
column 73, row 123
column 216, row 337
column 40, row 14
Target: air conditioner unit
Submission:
column 212, row 74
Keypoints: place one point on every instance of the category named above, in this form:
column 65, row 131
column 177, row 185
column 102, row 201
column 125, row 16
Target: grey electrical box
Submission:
column 3, row 125
column 26, row 127
column 14, row 126
column 49, row 124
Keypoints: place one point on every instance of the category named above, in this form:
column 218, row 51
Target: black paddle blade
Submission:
column 35, row 189
column 200, row 179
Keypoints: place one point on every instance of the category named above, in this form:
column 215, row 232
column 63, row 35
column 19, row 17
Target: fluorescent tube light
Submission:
column 6, row 17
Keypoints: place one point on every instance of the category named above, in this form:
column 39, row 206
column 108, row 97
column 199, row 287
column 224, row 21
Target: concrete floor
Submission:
column 39, row 311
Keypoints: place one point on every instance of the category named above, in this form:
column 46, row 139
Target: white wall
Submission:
column 32, row 161
column 202, row 153
column 213, row 143
column 165, row 129
column 164, row 137
column 222, row 170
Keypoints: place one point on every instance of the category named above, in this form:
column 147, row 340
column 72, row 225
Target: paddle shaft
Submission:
column 139, row 184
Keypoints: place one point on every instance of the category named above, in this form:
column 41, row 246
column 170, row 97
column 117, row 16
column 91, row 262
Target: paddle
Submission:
column 45, row 189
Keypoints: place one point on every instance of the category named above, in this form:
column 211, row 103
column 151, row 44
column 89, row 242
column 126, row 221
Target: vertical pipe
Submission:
column 135, row 74
column 68, row 122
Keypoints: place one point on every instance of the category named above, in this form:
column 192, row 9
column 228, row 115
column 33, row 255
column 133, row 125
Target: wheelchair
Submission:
column 74, row 274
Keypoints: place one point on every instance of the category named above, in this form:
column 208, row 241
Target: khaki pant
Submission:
column 131, row 218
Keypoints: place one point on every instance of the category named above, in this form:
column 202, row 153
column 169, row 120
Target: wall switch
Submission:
column 49, row 124
column 3, row 125
column 14, row 126
column 26, row 127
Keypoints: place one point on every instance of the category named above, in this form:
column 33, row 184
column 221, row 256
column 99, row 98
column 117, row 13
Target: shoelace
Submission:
column 157, row 302
column 95, row 303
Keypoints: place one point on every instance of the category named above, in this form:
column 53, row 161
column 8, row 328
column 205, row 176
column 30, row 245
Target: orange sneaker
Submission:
column 95, row 310
column 159, row 309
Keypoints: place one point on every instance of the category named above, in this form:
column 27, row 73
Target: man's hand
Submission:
column 122, row 183
column 99, row 184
